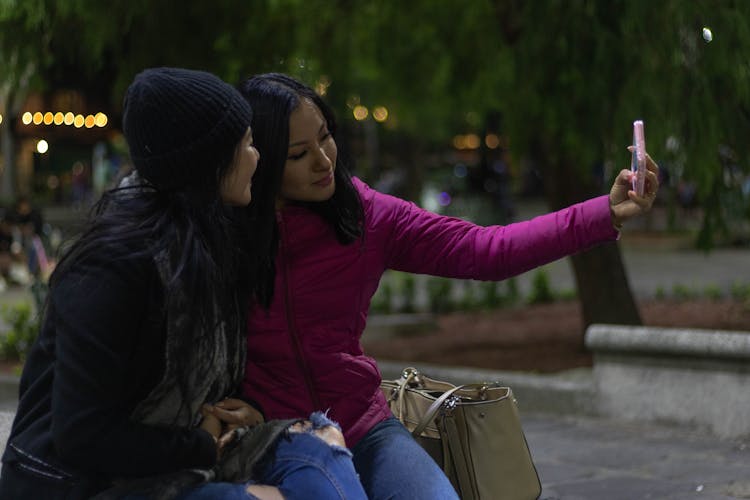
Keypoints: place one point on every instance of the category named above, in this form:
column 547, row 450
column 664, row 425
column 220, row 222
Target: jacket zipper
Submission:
column 291, row 323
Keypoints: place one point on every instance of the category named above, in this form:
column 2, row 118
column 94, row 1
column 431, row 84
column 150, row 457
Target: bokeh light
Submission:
column 101, row 119
column 492, row 141
column 380, row 113
column 42, row 146
column 360, row 112
column 472, row 141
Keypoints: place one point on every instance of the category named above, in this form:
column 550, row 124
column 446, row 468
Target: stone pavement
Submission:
column 588, row 458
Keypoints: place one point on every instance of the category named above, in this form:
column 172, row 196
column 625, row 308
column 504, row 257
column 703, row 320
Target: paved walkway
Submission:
column 587, row 458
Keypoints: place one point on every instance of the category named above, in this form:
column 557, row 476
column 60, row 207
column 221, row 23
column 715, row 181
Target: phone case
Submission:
column 638, row 163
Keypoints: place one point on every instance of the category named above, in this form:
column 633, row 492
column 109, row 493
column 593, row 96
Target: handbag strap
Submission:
column 407, row 376
column 432, row 411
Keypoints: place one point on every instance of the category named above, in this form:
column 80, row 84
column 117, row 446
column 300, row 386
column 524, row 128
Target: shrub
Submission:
column 541, row 292
column 439, row 295
column 740, row 291
column 381, row 301
column 490, row 298
column 23, row 328
column 682, row 292
column 408, row 293
column 470, row 300
column 713, row 292
column 513, row 295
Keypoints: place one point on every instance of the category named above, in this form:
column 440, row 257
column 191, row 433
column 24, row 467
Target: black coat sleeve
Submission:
column 104, row 344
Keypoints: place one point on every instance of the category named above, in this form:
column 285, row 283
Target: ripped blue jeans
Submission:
column 304, row 466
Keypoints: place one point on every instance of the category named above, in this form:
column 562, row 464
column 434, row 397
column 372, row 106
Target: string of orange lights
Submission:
column 60, row 118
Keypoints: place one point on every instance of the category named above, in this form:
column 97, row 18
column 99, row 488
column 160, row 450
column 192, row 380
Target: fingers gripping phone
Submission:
column 638, row 162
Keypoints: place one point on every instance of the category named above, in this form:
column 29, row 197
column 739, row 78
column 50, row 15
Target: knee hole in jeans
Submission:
column 328, row 433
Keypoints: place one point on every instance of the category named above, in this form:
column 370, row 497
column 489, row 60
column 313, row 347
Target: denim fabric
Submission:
column 307, row 467
column 303, row 467
column 392, row 465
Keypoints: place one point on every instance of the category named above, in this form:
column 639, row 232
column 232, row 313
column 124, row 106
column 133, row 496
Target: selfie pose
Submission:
column 330, row 238
column 131, row 389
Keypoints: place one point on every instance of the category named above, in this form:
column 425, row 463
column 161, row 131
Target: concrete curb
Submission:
column 570, row 392
column 686, row 376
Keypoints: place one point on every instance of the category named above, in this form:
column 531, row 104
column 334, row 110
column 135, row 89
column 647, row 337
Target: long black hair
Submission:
column 202, row 245
column 273, row 97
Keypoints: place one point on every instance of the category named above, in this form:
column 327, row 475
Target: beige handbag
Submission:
column 472, row 431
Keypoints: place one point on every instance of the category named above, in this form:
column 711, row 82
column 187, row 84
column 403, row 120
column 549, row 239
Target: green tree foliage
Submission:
column 586, row 69
column 568, row 76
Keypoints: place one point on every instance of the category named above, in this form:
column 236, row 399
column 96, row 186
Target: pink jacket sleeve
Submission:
column 419, row 241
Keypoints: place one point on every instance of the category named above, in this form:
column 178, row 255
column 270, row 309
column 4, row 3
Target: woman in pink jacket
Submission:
column 332, row 238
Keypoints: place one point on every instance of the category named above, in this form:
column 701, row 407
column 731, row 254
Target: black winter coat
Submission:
column 100, row 351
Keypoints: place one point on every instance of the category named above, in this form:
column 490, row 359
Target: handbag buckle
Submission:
column 450, row 404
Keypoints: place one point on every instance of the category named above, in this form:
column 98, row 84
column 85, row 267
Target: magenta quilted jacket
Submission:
column 304, row 354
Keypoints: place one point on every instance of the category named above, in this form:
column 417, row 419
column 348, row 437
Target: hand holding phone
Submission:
column 638, row 162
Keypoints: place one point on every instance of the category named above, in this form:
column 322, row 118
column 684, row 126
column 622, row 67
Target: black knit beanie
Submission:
column 177, row 122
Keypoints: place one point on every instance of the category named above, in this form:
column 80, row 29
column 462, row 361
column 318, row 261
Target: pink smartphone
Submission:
column 638, row 163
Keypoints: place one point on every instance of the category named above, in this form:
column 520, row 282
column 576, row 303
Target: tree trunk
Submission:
column 8, row 140
column 603, row 287
column 601, row 280
column 7, row 145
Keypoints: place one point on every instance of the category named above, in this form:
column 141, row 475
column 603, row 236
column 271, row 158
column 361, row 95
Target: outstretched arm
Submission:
column 418, row 241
